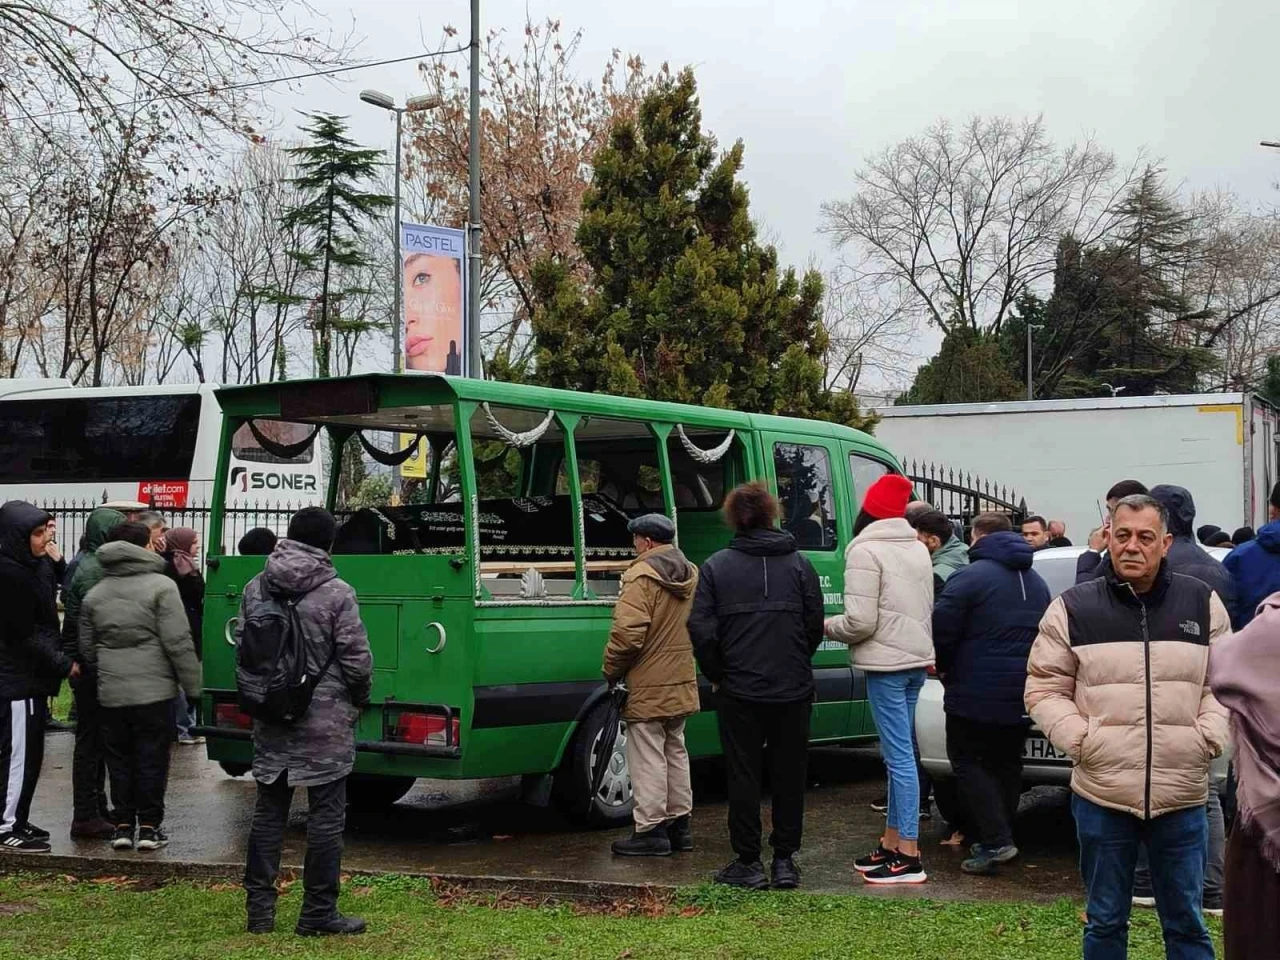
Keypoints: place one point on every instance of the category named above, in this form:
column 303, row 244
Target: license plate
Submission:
column 1039, row 748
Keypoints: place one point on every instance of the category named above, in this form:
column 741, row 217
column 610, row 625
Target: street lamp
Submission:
column 1030, row 387
column 412, row 105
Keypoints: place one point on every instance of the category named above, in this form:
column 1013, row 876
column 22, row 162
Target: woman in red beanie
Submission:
column 888, row 625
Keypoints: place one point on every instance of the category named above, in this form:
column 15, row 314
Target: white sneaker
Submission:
column 1148, row 902
column 1213, row 912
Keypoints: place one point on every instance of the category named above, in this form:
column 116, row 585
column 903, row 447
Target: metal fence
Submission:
column 73, row 514
column 962, row 496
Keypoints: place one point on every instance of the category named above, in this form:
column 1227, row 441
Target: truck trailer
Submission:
column 1063, row 455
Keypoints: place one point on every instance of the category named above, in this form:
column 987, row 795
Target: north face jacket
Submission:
column 649, row 643
column 134, row 631
column 1119, row 682
column 757, row 619
column 984, row 623
column 888, row 600
column 321, row 747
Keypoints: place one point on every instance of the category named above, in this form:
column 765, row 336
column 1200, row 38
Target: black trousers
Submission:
column 756, row 737
column 89, row 761
column 21, row 756
column 326, row 818
column 987, row 761
column 137, row 741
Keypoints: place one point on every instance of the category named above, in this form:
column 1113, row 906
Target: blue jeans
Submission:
column 184, row 714
column 1177, row 845
column 893, row 699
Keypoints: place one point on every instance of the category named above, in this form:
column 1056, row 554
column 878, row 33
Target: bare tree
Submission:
column 195, row 65
column 872, row 331
column 968, row 218
column 541, row 128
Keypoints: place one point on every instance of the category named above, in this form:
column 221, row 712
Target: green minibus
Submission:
column 488, row 602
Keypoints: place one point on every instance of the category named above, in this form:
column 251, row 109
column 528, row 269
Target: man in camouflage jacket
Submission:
column 319, row 750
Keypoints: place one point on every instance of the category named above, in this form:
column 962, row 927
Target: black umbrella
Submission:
column 617, row 697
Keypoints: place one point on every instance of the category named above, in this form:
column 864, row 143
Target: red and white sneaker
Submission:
column 901, row 869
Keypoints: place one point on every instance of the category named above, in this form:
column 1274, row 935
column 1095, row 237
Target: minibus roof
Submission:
column 385, row 402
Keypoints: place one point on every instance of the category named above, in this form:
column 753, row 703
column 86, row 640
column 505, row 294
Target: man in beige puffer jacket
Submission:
column 1118, row 680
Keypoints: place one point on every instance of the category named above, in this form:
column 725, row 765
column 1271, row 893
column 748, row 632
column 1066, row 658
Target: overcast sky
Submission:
column 813, row 86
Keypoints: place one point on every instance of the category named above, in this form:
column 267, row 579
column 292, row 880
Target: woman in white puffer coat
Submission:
column 887, row 623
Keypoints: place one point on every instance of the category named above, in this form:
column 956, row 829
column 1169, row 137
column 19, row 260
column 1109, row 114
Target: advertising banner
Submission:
column 434, row 281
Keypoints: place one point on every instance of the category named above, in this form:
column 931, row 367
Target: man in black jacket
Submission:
column 30, row 662
column 755, row 625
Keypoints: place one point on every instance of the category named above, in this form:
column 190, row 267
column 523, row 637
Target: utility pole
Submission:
column 475, row 367
column 1031, row 390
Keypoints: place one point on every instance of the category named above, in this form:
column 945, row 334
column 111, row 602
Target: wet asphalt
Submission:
column 482, row 829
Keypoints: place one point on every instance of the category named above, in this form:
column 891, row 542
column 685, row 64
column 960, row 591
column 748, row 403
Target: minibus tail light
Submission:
column 424, row 727
column 228, row 715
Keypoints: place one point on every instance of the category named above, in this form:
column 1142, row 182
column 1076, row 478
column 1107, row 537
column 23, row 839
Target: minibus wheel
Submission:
column 611, row 806
column 232, row 769
column 372, row 792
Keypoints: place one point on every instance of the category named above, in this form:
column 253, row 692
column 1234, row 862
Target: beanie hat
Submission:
column 1205, row 532
column 313, row 526
column 887, row 497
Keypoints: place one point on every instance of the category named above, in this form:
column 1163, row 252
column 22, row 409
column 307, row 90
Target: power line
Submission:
column 250, row 84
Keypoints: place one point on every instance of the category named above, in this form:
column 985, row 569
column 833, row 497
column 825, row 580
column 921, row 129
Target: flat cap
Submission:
column 656, row 526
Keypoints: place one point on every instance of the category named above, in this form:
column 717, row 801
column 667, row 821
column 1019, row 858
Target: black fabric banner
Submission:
column 390, row 459
column 285, row 451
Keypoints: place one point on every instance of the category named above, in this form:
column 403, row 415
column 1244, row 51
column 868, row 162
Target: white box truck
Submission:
column 1063, row 455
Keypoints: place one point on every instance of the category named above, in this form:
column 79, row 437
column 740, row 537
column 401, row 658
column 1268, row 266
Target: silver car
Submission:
column 1042, row 761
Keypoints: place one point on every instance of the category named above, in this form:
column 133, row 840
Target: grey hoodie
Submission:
column 321, row 747
column 134, row 629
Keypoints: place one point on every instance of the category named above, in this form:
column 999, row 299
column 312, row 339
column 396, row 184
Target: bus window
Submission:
column 701, row 486
column 525, row 523
column 245, row 446
column 804, row 489
column 98, row 439
column 864, row 471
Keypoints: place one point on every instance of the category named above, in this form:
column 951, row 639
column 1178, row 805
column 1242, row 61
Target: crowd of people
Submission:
column 1135, row 674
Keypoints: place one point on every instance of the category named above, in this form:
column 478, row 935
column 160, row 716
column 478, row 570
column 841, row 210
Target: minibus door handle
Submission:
column 229, row 631
column 444, row 637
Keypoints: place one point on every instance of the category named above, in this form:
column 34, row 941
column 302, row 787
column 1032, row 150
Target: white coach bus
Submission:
column 157, row 445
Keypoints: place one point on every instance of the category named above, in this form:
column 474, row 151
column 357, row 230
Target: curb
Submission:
column 584, row 890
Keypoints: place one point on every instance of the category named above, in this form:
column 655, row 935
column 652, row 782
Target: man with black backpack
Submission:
column 303, row 670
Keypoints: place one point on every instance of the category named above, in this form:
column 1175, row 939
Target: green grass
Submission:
column 106, row 920
column 62, row 702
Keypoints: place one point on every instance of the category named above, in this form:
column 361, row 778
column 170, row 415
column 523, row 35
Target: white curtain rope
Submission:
column 518, row 440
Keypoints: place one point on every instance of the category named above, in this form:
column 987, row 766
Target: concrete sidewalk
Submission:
column 479, row 830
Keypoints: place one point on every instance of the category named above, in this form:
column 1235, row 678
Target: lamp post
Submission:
column 475, row 366
column 412, row 105
column 1031, row 390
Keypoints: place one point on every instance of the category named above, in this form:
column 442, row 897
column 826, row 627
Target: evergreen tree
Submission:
column 679, row 300
column 332, row 213
column 970, row 367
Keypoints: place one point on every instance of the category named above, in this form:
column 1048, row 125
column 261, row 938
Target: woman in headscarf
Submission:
column 182, row 553
column 1244, row 673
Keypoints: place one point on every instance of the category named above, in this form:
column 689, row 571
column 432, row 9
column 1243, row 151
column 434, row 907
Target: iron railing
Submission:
column 962, row 496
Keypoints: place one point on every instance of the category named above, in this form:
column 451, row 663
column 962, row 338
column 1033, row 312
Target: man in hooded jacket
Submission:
column 319, row 750
column 1255, row 566
column 649, row 648
column 30, row 660
column 91, row 816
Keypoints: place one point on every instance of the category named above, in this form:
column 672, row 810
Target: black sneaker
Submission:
column 122, row 839
column 32, row 832
column 881, row 805
column 680, row 833
column 261, row 926
column 17, row 843
column 901, row 869
column 746, row 876
column 151, row 838
column 337, row 927
column 786, row 875
column 926, row 810
column 652, row 843
column 874, row 860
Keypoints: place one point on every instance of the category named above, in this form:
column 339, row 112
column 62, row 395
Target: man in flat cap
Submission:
column 649, row 648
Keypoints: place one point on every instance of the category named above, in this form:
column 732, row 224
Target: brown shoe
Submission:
column 96, row 829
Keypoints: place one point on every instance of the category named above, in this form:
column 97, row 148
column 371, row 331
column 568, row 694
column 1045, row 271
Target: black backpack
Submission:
column 271, row 662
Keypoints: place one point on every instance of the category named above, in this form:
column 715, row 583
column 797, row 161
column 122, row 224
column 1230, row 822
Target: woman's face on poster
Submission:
column 432, row 311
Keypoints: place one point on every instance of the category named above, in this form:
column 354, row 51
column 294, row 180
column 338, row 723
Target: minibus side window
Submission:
column 863, row 472
column 804, row 489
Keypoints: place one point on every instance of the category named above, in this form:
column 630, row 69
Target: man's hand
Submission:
column 1099, row 539
column 52, row 551
column 75, row 671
